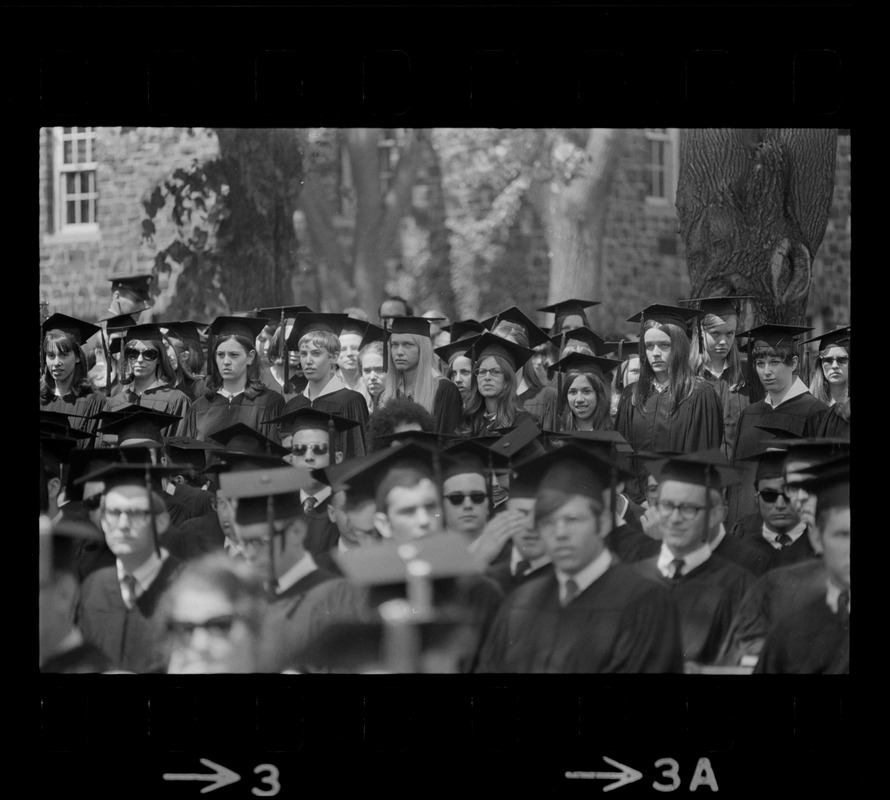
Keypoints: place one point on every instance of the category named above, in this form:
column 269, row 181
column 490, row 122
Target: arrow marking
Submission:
column 221, row 776
column 627, row 775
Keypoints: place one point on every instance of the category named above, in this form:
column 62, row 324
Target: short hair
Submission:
column 549, row 501
column 157, row 501
column 405, row 474
column 787, row 353
column 385, row 419
column 324, row 339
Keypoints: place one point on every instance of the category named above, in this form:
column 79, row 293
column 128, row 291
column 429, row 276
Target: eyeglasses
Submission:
column 257, row 541
column 137, row 515
column 770, row 496
column 458, row 498
column 217, row 627
column 494, row 372
column 318, row 449
column 841, row 361
column 132, row 354
column 687, row 510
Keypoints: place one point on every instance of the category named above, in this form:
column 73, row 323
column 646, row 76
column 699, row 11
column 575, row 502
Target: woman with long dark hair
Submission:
column 586, row 394
column 186, row 355
column 628, row 353
column 65, row 386
column 151, row 379
column 234, row 391
column 669, row 408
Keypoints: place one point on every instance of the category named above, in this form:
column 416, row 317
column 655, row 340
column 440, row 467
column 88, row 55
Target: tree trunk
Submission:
column 753, row 205
column 572, row 204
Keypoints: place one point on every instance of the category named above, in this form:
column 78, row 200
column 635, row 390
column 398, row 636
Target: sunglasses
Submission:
column 770, row 496
column 217, row 627
column 458, row 498
column 131, row 354
column 318, row 449
column 841, row 361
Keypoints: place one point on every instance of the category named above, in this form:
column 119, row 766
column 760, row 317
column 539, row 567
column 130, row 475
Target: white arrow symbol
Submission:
column 221, row 776
column 627, row 775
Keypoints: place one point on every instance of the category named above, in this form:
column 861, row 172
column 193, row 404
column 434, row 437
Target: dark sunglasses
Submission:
column 457, row 498
column 841, row 361
column 131, row 354
column 216, row 626
column 318, row 449
column 770, row 496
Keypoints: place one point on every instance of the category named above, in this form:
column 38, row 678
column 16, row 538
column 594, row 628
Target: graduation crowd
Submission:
column 282, row 490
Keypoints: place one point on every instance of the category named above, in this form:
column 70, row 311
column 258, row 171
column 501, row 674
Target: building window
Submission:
column 662, row 164
column 74, row 172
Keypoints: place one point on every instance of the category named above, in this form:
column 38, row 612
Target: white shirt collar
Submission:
column 297, row 572
column 145, row 573
column 690, row 561
column 586, row 576
column 342, row 547
column 333, row 385
column 228, row 394
column 773, row 538
column 715, row 542
column 323, row 495
column 516, row 557
column 832, row 596
column 797, row 388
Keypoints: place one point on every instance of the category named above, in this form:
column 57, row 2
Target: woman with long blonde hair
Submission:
column 830, row 381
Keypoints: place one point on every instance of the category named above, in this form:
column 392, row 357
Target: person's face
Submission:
column 349, row 347
column 775, row 375
column 834, row 371
column 263, row 340
column 61, row 365
column 632, row 373
column 570, row 322
column 405, row 352
column 471, row 512
column 573, row 535
column 181, row 351
column 316, row 362
column 651, row 491
column 233, row 360
column 356, row 525
column 582, row 398
column 172, row 354
column 835, row 540
column 490, row 378
column 224, row 644
column 225, row 513
column 802, row 502
column 720, row 338
column 142, row 357
column 779, row 515
column 129, row 303
column 682, row 535
column 461, row 375
column 372, row 373
column 392, row 308
column 309, row 448
column 658, row 351
column 126, row 523
column 252, row 541
column 411, row 512
column 528, row 542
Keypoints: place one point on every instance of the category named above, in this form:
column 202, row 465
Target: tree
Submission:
column 753, row 205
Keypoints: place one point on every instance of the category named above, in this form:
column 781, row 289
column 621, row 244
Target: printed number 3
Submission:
column 272, row 780
column 673, row 772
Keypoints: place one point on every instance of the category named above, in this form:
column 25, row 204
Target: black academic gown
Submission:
column 210, row 414
column 774, row 595
column 195, row 537
column 749, row 530
column 541, row 403
column 160, row 398
column 447, row 406
column 743, row 554
column 809, row 641
column 706, row 598
column 322, row 535
column 696, row 425
column 132, row 639
column 622, row 622
column 345, row 403
column 500, row 573
column 733, row 400
column 801, row 415
column 833, row 425
column 79, row 405
column 188, row 502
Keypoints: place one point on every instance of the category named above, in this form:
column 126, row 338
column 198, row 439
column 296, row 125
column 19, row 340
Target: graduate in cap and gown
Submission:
column 585, row 397
column 118, row 611
column 187, row 355
column 815, row 639
column 317, row 337
column 234, row 392
column 830, row 381
column 592, row 614
column 669, row 408
column 569, row 314
column 283, row 374
column 64, row 383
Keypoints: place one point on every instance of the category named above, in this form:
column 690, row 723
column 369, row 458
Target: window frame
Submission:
column 60, row 170
column 671, row 139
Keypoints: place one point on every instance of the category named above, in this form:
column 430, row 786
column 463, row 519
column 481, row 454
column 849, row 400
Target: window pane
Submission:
column 84, row 210
column 66, row 131
column 70, row 212
column 93, row 215
column 89, row 142
column 81, row 150
column 85, row 182
column 92, row 184
column 70, row 183
column 66, row 155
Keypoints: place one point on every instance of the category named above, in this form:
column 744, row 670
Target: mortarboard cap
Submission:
column 372, row 333
column 83, row 462
column 254, row 487
column 371, row 475
column 814, row 451
column 307, row 322
column 118, row 323
column 144, row 333
column 186, row 330
column 770, row 464
column 430, row 438
column 582, row 362
column 354, row 326
column 666, row 315
column 464, row 457
column 219, row 461
column 447, row 351
column 623, row 349
column 59, row 545
column 610, row 440
column 723, row 306
column 487, row 344
column 571, row 306
column 572, row 469
column 186, row 450
column 274, row 313
column 129, row 473
column 840, row 336
column 416, row 326
column 774, row 335
column 137, row 283
column 308, row 418
column 56, row 421
column 830, row 482
column 464, row 328
column 56, row 450
column 583, row 336
column 517, row 443
column 533, row 332
column 241, row 438
column 137, row 422
column 249, row 327
column 77, row 329
column 708, row 468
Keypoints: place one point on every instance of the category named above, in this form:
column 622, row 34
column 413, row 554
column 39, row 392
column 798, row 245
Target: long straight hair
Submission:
column 454, row 357
column 164, row 370
column 680, row 374
column 700, row 358
column 507, row 404
column 820, row 388
column 602, row 419
column 424, row 392
column 518, row 333
column 58, row 342
column 254, row 385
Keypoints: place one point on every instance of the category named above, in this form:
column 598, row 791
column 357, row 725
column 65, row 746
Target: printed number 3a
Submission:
column 272, row 780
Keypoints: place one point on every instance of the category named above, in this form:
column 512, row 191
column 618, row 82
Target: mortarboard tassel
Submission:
column 385, row 348
column 107, row 362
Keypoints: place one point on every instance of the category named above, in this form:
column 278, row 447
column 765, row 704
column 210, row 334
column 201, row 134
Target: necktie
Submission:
column 522, row 567
column 571, row 591
column 843, row 607
column 679, row 564
column 308, row 504
column 128, row 590
column 783, row 540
